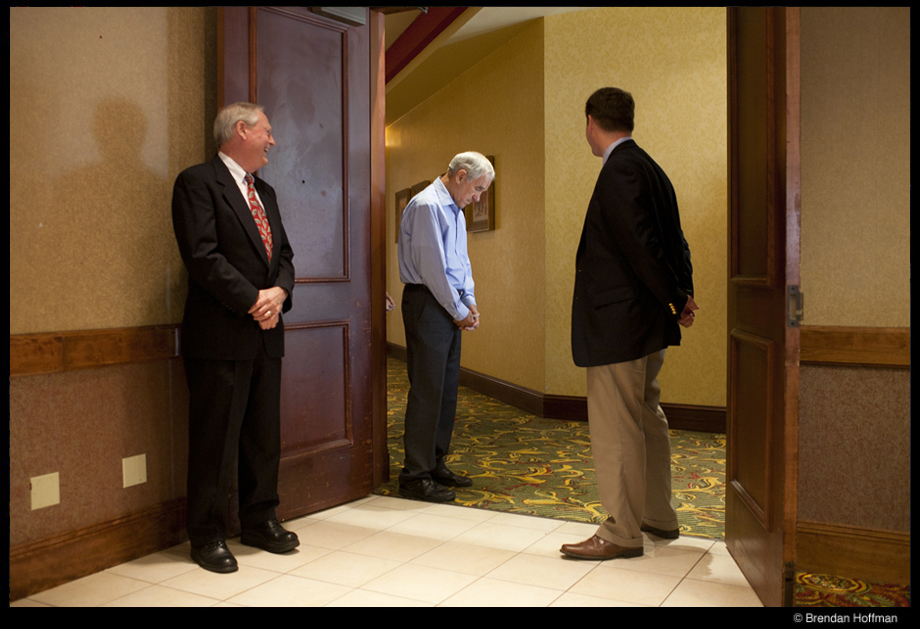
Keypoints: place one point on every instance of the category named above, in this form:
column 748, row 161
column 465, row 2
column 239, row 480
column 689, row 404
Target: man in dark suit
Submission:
column 633, row 286
column 241, row 277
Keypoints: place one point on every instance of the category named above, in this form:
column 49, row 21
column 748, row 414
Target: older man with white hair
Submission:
column 438, row 304
column 240, row 279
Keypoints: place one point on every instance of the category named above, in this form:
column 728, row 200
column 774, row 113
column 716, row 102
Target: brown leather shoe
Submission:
column 662, row 533
column 599, row 550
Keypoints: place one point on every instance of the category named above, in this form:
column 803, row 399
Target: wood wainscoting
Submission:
column 55, row 352
column 855, row 347
column 857, row 552
column 46, row 563
column 42, row 378
column 853, row 551
column 37, row 565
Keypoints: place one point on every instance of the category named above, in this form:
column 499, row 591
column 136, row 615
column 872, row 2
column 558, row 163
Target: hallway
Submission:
column 382, row 551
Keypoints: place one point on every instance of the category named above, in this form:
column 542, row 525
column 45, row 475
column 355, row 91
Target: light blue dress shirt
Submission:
column 432, row 249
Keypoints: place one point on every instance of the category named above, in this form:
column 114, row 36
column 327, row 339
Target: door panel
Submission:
column 312, row 75
column 752, row 396
column 763, row 261
column 302, row 80
column 317, row 353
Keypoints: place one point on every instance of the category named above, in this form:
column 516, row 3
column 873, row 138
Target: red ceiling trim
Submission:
column 420, row 33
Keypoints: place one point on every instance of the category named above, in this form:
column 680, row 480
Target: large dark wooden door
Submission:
column 764, row 132
column 313, row 75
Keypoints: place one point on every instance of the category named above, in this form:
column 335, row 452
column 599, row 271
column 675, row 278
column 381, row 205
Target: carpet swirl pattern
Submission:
column 529, row 465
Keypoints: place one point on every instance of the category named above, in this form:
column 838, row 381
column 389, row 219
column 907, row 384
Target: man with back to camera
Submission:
column 437, row 305
column 241, row 276
column 633, row 286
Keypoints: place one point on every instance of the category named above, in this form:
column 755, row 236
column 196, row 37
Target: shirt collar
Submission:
column 444, row 197
column 613, row 146
column 235, row 169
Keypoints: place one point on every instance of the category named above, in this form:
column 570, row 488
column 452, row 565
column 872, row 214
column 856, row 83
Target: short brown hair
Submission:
column 612, row 108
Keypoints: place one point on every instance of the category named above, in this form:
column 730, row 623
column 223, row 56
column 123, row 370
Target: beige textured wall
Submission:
column 673, row 61
column 107, row 105
column 495, row 108
column 856, row 166
column 854, row 463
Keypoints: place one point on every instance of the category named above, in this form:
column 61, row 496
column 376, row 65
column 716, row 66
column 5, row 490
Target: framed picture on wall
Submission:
column 480, row 215
column 402, row 200
column 419, row 187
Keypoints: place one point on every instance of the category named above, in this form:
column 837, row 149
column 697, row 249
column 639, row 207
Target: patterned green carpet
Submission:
column 525, row 464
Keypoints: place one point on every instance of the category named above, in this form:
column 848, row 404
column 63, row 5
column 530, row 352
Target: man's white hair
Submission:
column 231, row 114
column 475, row 164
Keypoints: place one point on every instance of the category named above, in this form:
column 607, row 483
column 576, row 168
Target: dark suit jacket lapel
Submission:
column 240, row 206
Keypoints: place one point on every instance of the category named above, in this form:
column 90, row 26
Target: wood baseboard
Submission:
column 574, row 408
column 856, row 552
column 46, row 563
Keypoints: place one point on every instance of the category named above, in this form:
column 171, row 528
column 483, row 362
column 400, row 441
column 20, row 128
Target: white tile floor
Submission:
column 382, row 551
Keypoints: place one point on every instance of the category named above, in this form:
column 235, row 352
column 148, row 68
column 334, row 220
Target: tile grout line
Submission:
column 383, row 505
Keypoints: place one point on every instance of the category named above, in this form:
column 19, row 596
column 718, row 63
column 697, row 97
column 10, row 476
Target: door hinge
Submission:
column 795, row 306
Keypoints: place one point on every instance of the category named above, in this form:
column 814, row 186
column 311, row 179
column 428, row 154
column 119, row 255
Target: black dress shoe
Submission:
column 447, row 478
column 662, row 533
column 270, row 536
column 427, row 490
column 215, row 557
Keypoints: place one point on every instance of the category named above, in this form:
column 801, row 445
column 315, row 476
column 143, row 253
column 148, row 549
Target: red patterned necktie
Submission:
column 258, row 214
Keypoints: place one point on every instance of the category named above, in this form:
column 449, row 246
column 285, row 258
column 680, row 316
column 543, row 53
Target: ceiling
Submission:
column 470, row 39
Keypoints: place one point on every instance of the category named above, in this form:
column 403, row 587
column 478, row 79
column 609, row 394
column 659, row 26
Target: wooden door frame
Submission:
column 793, row 278
column 767, row 555
column 378, row 247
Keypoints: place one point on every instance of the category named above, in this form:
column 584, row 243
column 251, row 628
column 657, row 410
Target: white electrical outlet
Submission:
column 134, row 470
column 46, row 490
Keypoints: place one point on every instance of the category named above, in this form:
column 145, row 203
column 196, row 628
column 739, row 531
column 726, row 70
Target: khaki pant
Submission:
column 631, row 448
